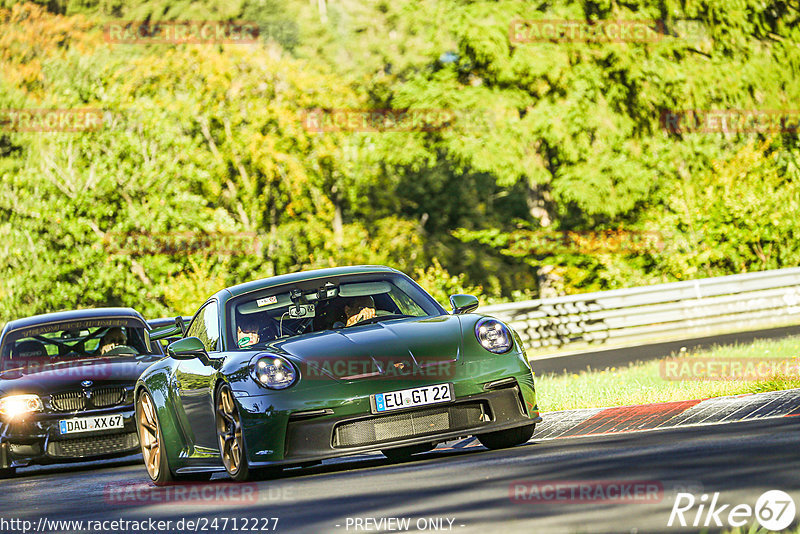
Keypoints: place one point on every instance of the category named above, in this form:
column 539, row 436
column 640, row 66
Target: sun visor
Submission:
column 364, row 289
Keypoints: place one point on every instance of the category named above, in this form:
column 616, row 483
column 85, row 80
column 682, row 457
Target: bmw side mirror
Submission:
column 463, row 303
column 187, row 348
column 169, row 332
column 148, row 343
column 179, row 322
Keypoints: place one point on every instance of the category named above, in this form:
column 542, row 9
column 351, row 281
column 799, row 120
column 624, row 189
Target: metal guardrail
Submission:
column 641, row 315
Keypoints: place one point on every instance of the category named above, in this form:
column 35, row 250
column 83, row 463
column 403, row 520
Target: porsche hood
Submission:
column 399, row 347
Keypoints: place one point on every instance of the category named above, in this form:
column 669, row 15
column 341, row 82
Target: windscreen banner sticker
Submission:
column 266, row 301
column 75, row 325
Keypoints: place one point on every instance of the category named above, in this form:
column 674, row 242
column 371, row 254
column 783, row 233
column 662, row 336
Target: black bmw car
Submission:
column 66, row 385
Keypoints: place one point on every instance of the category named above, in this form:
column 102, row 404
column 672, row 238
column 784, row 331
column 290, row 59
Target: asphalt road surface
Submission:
column 456, row 490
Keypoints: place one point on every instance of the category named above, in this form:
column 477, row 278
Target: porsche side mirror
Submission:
column 463, row 303
column 187, row 348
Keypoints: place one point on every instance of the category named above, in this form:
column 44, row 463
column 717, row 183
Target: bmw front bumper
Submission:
column 38, row 439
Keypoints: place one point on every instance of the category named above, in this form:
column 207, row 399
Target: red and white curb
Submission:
column 599, row 421
column 718, row 410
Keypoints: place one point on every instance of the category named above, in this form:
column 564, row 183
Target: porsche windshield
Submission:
column 327, row 305
column 89, row 340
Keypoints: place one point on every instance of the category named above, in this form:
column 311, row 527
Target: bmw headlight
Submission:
column 494, row 335
column 15, row 406
column 275, row 372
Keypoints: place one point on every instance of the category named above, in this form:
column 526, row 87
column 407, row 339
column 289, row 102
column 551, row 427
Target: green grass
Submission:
column 642, row 383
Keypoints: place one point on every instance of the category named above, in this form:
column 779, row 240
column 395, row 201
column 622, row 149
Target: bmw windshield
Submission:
column 73, row 340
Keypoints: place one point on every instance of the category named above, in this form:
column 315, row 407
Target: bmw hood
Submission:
column 49, row 377
column 397, row 347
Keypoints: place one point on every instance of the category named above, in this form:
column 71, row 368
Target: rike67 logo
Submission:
column 774, row 510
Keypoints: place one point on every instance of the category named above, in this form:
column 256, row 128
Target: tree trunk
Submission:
column 323, row 11
column 539, row 202
column 338, row 224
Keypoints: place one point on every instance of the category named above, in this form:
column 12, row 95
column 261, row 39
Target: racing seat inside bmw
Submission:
column 29, row 349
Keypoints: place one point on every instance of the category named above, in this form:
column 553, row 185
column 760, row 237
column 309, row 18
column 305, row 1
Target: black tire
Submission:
column 230, row 437
column 151, row 441
column 504, row 439
column 404, row 453
column 7, row 472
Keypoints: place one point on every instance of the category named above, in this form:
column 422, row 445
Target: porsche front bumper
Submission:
column 320, row 434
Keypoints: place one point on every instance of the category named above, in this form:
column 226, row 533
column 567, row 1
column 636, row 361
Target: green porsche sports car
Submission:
column 293, row 369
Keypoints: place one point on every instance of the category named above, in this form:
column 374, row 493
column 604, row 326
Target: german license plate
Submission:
column 90, row 424
column 409, row 398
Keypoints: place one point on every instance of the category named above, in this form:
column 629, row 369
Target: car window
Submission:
column 93, row 339
column 205, row 326
column 318, row 305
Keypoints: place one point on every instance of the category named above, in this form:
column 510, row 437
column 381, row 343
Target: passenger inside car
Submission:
column 247, row 327
column 254, row 328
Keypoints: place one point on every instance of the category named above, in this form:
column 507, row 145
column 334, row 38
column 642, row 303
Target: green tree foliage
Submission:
column 577, row 124
column 738, row 216
column 554, row 167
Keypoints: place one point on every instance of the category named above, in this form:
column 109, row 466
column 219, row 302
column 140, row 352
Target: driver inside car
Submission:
column 247, row 328
column 112, row 339
column 359, row 309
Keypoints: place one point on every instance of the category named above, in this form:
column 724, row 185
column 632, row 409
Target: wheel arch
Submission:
column 156, row 383
column 216, row 383
column 219, row 382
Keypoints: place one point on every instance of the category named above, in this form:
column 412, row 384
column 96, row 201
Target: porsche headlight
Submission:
column 494, row 335
column 275, row 372
column 18, row 405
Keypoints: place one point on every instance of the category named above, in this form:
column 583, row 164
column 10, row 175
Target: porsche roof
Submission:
column 273, row 281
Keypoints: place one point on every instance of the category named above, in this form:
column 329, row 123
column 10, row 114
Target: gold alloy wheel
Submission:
column 148, row 435
column 229, row 431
